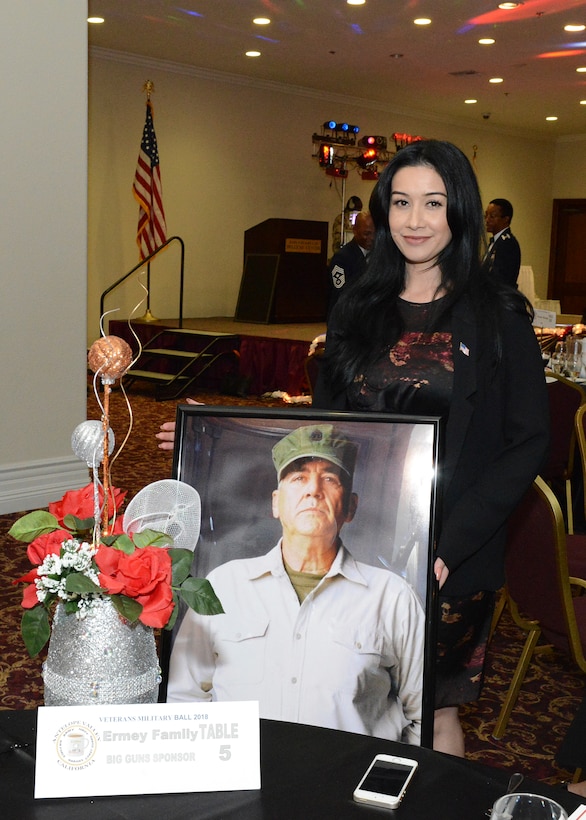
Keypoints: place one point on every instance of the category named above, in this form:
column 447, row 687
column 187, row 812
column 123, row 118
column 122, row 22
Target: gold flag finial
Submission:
column 149, row 87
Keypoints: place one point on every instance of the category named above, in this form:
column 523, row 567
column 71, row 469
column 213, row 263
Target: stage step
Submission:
column 173, row 368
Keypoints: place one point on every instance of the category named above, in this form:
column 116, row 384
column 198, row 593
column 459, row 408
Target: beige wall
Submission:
column 569, row 178
column 234, row 153
column 43, row 230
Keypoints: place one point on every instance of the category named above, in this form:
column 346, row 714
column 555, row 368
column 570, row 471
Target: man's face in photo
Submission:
column 310, row 500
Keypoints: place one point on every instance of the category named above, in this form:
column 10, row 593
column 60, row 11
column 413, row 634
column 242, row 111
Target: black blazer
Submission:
column 505, row 258
column 495, row 441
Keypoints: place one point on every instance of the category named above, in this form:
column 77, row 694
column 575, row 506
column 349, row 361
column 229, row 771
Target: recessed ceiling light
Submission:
column 551, row 119
column 486, row 41
column 253, row 53
column 261, row 21
column 509, row 6
column 469, row 102
column 422, row 21
column 95, row 19
column 581, row 70
column 496, row 80
column 582, row 102
column 356, row 2
column 576, row 27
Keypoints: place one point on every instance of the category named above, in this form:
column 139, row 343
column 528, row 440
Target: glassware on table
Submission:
column 524, row 806
column 574, row 365
column 558, row 358
column 573, row 357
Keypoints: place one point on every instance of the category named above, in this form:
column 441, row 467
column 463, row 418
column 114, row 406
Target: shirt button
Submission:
column 298, row 636
column 293, row 680
column 358, row 645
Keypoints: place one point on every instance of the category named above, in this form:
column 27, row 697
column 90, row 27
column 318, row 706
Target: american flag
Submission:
column 147, row 190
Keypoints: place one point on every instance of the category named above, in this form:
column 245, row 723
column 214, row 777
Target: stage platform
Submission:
column 271, row 356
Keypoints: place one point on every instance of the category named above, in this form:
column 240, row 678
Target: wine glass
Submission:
column 574, row 365
column 519, row 806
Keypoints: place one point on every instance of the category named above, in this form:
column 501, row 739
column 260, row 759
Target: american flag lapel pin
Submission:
column 464, row 349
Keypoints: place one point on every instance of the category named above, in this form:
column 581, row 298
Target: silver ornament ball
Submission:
column 87, row 442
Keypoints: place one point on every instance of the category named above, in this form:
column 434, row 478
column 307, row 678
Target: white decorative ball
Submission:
column 87, row 442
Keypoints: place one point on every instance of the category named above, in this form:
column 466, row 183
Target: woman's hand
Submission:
column 166, row 434
column 441, row 572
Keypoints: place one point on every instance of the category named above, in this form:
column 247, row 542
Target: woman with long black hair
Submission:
column 427, row 332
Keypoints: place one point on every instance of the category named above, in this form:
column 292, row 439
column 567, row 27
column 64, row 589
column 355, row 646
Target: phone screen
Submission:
column 386, row 777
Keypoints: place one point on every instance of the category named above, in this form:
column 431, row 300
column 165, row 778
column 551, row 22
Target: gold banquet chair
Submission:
column 565, row 398
column 539, row 588
column 580, row 432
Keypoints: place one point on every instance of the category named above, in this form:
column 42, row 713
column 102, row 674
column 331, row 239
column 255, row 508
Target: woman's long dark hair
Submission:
column 366, row 317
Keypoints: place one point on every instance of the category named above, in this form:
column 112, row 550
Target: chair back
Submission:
column 565, row 397
column 580, row 432
column 311, row 368
column 537, row 575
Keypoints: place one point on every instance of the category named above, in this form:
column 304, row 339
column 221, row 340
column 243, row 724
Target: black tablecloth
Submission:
column 307, row 774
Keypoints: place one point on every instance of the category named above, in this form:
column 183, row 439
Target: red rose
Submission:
column 145, row 575
column 29, row 596
column 48, row 544
column 81, row 502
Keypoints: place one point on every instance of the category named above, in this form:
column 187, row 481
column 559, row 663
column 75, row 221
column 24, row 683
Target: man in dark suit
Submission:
column 504, row 253
column 350, row 261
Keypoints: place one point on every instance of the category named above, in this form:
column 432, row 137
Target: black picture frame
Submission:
column 225, row 453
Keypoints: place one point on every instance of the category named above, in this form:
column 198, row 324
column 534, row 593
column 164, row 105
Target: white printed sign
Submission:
column 544, row 318
column 91, row 751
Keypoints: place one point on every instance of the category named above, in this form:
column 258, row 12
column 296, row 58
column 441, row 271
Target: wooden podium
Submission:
column 285, row 272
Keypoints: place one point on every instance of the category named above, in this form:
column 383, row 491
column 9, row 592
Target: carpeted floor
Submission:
column 549, row 697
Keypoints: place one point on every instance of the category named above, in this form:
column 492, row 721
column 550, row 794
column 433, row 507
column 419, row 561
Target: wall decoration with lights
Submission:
column 338, row 148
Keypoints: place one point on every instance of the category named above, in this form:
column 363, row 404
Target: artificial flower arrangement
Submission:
column 80, row 551
column 142, row 574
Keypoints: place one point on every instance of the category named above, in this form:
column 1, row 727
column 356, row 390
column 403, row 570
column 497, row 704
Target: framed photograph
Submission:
column 317, row 532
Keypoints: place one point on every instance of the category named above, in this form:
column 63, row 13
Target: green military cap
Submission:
column 315, row 441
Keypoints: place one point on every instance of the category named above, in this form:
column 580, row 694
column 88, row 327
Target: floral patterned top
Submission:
column 415, row 377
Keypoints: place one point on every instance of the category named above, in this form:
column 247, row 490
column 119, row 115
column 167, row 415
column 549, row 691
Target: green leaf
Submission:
column 72, row 522
column 171, row 622
column 152, row 538
column 199, row 595
column 127, row 607
column 32, row 525
column 79, row 583
column 181, row 561
column 124, row 544
column 35, row 629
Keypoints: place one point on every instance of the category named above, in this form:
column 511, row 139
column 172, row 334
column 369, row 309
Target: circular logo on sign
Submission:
column 76, row 744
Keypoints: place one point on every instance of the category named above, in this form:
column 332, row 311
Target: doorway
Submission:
column 567, row 256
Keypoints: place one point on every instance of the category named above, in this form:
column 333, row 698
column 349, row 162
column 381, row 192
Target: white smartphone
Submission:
column 385, row 781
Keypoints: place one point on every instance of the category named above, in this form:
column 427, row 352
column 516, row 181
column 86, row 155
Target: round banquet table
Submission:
column 307, row 773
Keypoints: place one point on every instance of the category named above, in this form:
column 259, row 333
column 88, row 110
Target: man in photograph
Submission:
column 312, row 634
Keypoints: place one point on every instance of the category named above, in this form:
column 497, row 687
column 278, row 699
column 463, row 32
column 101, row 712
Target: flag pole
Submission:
column 148, row 88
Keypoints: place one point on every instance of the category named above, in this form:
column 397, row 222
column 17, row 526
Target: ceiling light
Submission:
column 95, row 19
column 551, row 119
column 253, row 53
column 581, row 70
column 422, row 21
column 496, row 80
column 509, row 6
column 576, row 27
column 486, row 41
column 356, row 2
column 470, row 102
column 261, row 21
column 582, row 102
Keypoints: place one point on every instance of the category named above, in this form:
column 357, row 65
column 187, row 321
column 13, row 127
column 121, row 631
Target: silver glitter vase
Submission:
column 100, row 659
